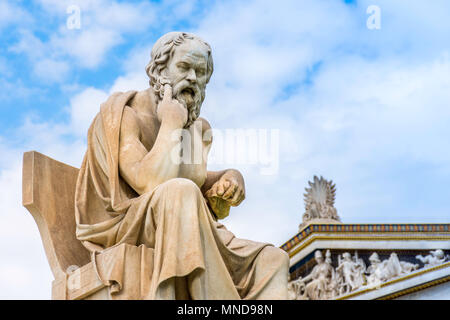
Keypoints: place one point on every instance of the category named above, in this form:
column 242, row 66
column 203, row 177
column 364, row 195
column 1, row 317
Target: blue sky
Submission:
column 368, row 109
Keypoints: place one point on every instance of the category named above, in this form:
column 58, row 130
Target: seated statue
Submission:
column 138, row 185
column 320, row 284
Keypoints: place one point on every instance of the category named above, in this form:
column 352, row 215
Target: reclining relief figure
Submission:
column 381, row 271
column 436, row 257
column 138, row 186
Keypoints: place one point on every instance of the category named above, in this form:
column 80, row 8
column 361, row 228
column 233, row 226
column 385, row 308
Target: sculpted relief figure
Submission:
column 352, row 272
column 135, row 186
column 380, row 271
column 377, row 270
column 435, row 258
column 319, row 202
column 319, row 284
column 325, row 282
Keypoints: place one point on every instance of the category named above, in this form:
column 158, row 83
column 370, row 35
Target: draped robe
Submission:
column 194, row 256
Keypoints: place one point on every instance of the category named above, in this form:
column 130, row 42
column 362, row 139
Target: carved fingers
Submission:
column 229, row 187
column 171, row 110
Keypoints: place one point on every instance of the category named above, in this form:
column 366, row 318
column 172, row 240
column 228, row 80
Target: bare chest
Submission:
column 193, row 155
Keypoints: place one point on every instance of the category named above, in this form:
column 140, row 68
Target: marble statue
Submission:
column 296, row 290
column 435, row 258
column 375, row 271
column 352, row 272
column 318, row 285
column 319, row 202
column 335, row 284
column 381, row 271
column 136, row 186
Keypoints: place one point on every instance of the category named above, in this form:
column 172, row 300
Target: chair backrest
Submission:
column 48, row 192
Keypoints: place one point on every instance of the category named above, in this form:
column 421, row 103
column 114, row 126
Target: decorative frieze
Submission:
column 351, row 274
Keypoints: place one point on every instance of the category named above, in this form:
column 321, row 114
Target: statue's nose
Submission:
column 191, row 76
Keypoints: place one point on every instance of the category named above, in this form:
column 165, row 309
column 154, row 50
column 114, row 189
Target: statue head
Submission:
column 328, row 257
column 184, row 61
column 346, row 256
column 438, row 253
column 374, row 258
column 318, row 256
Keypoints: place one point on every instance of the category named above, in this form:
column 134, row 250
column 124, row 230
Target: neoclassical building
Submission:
column 334, row 260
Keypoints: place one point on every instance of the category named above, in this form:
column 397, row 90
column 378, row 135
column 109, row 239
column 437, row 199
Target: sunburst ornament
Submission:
column 319, row 201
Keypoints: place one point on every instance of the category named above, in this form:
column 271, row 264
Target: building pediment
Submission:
column 351, row 250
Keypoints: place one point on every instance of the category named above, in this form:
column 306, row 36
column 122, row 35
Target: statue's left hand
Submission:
column 230, row 187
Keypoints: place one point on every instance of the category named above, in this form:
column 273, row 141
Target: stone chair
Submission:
column 48, row 193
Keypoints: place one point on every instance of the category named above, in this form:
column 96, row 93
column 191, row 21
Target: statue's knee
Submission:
column 181, row 185
column 273, row 254
column 180, row 196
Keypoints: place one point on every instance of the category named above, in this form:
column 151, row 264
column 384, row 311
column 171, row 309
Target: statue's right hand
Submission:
column 171, row 110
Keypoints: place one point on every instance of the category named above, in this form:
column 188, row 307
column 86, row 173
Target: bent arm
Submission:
column 143, row 170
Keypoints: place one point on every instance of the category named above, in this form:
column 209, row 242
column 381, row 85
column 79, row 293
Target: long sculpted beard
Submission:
column 190, row 95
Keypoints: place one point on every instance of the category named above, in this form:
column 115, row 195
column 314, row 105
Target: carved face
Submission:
column 187, row 72
column 318, row 256
column 438, row 253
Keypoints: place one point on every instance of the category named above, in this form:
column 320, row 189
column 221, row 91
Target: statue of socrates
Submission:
column 135, row 186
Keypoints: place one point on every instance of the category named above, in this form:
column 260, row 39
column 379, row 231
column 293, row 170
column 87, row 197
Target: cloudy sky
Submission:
column 367, row 108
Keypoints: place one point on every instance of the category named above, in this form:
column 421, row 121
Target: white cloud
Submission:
column 365, row 113
column 83, row 108
column 104, row 25
column 130, row 81
column 24, row 271
column 10, row 14
column 28, row 43
column 52, row 70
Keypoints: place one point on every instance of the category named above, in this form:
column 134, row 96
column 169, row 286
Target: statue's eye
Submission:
column 183, row 66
